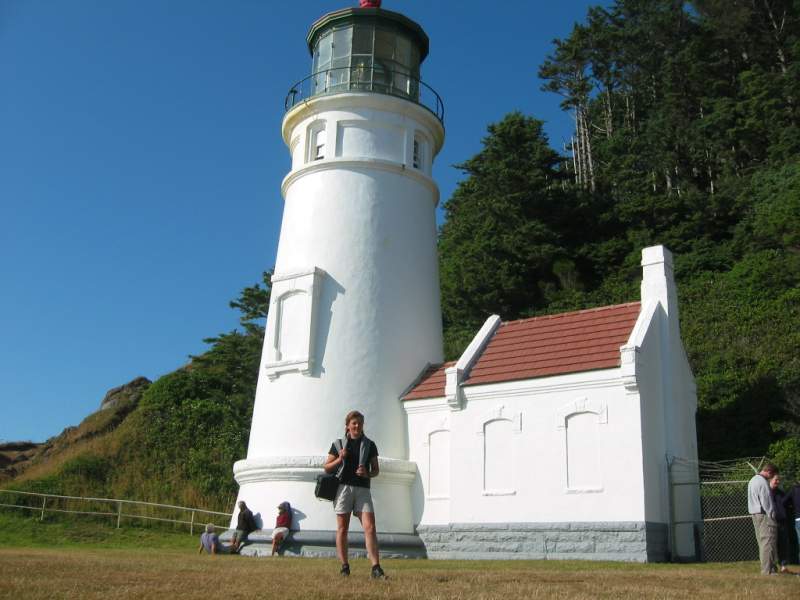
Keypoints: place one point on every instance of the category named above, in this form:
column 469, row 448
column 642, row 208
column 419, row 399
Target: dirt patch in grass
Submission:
column 141, row 573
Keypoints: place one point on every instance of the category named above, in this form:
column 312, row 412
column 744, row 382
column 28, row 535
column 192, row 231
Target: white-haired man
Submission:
column 762, row 510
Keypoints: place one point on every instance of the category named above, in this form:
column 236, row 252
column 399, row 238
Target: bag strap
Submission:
column 364, row 451
column 338, row 445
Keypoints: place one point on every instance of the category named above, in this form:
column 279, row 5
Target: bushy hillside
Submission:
column 25, row 461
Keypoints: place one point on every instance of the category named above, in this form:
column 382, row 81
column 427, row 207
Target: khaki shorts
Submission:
column 352, row 498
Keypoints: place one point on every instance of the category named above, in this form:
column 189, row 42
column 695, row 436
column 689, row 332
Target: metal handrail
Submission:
column 366, row 79
column 142, row 502
column 119, row 514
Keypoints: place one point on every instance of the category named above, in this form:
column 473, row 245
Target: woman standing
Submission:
column 355, row 462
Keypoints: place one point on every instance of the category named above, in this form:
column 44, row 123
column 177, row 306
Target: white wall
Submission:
column 657, row 369
column 531, row 483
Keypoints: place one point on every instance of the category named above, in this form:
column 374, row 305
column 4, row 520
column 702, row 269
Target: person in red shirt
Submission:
column 282, row 525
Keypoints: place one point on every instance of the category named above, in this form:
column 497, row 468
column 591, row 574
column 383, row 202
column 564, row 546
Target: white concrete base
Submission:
column 266, row 482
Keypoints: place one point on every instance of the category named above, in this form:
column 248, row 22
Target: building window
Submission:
column 417, row 161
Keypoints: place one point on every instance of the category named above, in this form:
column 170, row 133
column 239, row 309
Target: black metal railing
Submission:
column 366, row 79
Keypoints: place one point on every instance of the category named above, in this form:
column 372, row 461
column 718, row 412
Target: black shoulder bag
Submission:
column 328, row 483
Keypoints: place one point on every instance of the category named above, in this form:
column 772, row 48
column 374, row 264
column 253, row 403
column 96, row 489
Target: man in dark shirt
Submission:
column 245, row 524
column 782, row 519
column 355, row 463
column 791, row 502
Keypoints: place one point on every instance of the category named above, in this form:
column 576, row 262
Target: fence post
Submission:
column 44, row 501
column 191, row 525
column 119, row 513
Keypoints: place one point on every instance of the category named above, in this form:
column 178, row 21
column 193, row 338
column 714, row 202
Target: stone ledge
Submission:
column 317, row 543
column 622, row 541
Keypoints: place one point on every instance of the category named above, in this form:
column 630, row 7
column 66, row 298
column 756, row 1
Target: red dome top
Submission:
column 370, row 3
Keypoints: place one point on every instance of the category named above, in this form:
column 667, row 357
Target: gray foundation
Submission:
column 618, row 541
column 323, row 544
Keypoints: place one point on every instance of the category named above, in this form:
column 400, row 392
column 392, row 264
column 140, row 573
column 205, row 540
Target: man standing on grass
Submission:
column 762, row 509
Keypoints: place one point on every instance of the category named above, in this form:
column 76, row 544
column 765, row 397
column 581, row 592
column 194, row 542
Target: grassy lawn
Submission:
column 147, row 564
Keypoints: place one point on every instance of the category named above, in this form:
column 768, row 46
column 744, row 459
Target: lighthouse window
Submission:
column 322, row 64
column 342, row 47
column 319, row 145
column 420, row 153
column 317, row 141
column 362, row 39
column 384, row 44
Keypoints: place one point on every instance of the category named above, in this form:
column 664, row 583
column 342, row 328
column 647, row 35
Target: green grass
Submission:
column 86, row 558
column 95, row 573
column 25, row 530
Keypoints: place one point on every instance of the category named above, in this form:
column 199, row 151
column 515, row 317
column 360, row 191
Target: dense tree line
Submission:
column 686, row 134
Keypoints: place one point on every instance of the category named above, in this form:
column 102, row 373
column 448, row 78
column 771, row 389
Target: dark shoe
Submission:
column 377, row 572
column 345, row 572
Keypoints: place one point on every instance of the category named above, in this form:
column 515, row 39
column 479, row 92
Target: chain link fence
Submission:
column 728, row 533
column 724, row 533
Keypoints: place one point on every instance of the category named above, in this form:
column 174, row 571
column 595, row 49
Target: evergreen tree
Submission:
column 500, row 246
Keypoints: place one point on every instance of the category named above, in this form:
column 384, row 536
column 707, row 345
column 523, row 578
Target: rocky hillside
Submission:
column 23, row 460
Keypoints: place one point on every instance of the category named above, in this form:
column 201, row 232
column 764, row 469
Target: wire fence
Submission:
column 728, row 533
column 725, row 530
column 114, row 509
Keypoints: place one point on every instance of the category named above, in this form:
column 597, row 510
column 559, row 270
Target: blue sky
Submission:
column 141, row 161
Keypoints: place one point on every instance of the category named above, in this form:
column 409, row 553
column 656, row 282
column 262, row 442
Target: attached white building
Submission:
column 548, row 438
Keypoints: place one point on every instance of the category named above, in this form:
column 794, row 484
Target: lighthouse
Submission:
column 354, row 316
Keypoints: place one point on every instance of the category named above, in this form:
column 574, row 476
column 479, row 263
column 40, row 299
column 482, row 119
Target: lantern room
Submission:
column 367, row 49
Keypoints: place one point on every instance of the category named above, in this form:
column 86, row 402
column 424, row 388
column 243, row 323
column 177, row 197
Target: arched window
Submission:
column 290, row 343
column 317, row 138
column 498, row 457
column 583, row 468
column 439, row 464
column 420, row 153
column 290, row 332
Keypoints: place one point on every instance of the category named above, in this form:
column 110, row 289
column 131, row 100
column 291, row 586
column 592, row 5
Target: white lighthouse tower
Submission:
column 354, row 315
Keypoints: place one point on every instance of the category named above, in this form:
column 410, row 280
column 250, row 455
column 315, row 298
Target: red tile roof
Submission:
column 431, row 384
column 552, row 345
column 556, row 344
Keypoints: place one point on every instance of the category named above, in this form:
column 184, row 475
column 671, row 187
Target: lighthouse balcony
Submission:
column 365, row 78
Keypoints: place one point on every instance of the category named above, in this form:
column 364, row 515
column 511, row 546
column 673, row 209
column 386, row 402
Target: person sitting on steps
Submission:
column 283, row 523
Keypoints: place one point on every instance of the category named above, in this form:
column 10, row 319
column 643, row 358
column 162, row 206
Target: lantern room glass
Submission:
column 368, row 57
